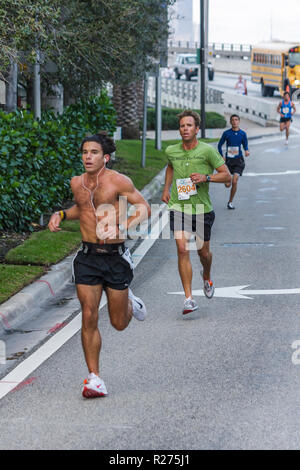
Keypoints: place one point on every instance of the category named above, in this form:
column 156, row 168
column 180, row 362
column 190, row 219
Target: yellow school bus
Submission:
column 276, row 66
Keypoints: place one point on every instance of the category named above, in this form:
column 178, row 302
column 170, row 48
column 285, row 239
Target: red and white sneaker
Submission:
column 189, row 306
column 208, row 287
column 94, row 387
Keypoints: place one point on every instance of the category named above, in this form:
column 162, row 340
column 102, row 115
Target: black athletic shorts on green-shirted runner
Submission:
column 200, row 224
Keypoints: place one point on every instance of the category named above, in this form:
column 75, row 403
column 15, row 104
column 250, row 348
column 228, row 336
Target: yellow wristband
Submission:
column 62, row 214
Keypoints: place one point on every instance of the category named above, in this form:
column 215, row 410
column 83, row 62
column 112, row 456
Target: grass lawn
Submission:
column 128, row 160
column 14, row 278
column 45, row 248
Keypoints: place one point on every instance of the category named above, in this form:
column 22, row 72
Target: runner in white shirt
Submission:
column 240, row 86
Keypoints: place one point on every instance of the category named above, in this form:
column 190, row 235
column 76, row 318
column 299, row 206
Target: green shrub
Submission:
column 170, row 121
column 38, row 158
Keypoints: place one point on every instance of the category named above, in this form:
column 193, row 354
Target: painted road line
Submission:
column 280, row 173
column 267, row 140
column 237, row 292
column 20, row 372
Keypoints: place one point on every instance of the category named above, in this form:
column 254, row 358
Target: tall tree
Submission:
column 108, row 41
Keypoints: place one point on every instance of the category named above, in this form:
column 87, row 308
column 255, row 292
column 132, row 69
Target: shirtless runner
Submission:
column 101, row 197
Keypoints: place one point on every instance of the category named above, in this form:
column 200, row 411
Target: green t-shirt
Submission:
column 202, row 159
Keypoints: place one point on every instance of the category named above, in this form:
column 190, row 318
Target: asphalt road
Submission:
column 224, row 377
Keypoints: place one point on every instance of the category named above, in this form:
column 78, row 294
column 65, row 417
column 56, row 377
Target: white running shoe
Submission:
column 94, row 387
column 208, row 287
column 189, row 306
column 286, row 142
column 138, row 307
column 230, row 205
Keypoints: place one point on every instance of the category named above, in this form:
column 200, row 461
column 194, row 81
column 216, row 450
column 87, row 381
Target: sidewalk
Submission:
column 252, row 129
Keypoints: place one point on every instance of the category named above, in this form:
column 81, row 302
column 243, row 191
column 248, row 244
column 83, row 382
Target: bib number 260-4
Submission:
column 185, row 188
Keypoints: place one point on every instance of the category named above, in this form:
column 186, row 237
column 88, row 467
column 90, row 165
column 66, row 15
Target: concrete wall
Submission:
column 232, row 66
column 2, row 92
column 254, row 109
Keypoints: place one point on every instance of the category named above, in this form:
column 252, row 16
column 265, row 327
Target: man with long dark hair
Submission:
column 103, row 263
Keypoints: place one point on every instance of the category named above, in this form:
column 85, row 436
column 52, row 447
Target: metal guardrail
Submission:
column 180, row 93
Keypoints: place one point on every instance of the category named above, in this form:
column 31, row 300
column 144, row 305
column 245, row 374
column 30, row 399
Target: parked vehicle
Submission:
column 186, row 64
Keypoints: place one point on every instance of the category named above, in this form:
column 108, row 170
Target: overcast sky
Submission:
column 249, row 21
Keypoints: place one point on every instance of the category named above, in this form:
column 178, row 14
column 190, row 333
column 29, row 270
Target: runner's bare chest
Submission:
column 89, row 195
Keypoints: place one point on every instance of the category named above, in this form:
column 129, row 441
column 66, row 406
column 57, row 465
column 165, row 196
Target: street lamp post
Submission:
column 37, row 87
column 202, row 66
column 143, row 159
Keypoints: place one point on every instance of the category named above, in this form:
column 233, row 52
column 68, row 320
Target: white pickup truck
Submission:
column 186, row 64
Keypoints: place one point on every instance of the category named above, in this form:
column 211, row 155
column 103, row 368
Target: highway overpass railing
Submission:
column 232, row 51
column 182, row 94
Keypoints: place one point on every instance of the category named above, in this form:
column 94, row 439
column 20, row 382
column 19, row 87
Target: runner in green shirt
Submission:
column 191, row 166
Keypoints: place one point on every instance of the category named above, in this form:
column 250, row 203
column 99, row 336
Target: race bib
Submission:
column 232, row 152
column 185, row 188
column 127, row 257
column 285, row 110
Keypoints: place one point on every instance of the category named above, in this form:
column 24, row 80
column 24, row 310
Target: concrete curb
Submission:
column 153, row 187
column 20, row 307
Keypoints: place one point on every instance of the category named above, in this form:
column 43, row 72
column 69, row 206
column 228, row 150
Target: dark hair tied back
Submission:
column 106, row 142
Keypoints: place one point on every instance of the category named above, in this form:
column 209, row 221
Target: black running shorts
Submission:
column 200, row 224
column 110, row 270
column 236, row 165
column 283, row 119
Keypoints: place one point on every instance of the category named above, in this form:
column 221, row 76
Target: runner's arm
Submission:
column 72, row 213
column 279, row 110
column 294, row 107
column 142, row 209
column 168, row 181
column 220, row 144
column 56, row 218
column 245, row 145
column 222, row 176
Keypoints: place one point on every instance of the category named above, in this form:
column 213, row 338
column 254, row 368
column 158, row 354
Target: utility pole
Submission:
column 158, row 117
column 163, row 62
column 37, row 108
column 143, row 159
column 11, row 88
column 37, row 87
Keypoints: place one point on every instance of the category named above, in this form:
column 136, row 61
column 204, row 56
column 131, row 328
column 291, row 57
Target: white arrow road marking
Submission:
column 234, row 292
